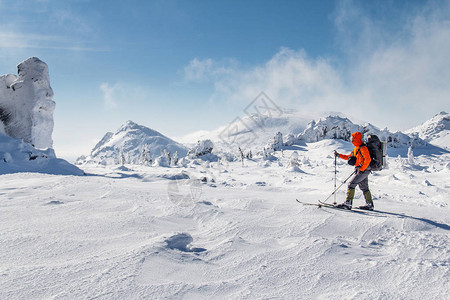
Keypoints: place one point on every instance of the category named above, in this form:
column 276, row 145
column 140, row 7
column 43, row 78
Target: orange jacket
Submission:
column 362, row 156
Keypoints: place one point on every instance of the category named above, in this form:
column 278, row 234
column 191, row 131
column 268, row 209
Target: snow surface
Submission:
column 228, row 230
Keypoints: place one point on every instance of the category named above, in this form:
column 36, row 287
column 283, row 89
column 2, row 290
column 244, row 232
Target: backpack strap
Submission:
column 359, row 149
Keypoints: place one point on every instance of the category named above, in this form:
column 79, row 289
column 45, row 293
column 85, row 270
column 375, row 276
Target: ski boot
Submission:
column 366, row 207
column 345, row 205
column 348, row 201
column 369, row 202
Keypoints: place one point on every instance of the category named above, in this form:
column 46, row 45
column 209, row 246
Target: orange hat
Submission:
column 357, row 138
column 357, row 135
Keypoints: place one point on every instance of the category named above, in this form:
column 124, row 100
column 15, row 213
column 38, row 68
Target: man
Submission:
column 360, row 158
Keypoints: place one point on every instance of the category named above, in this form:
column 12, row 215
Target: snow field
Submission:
column 117, row 234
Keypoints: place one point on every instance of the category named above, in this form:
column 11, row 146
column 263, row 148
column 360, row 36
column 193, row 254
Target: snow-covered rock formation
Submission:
column 134, row 144
column 18, row 156
column 336, row 127
column 331, row 127
column 26, row 105
column 254, row 131
column 436, row 130
column 202, row 148
column 26, row 122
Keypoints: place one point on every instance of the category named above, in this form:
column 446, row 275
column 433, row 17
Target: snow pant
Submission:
column 360, row 179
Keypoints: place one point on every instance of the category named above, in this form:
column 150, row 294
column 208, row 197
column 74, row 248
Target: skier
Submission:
column 360, row 158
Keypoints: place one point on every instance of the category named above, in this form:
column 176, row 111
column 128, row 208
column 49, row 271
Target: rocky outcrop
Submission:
column 26, row 104
column 335, row 127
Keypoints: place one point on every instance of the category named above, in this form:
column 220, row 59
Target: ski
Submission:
column 328, row 205
column 315, row 204
column 353, row 208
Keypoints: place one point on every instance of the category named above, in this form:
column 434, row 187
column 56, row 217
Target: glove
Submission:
column 336, row 154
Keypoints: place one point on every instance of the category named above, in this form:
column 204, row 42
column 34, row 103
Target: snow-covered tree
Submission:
column 290, row 140
column 174, row 159
column 241, row 155
column 410, row 156
column 145, row 158
column 183, row 162
column 293, row 160
column 203, row 147
column 277, row 143
column 122, row 159
column 163, row 160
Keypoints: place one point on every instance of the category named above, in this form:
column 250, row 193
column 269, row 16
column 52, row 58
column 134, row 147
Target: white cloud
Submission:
column 198, row 69
column 403, row 74
column 201, row 70
column 124, row 95
column 110, row 94
column 395, row 78
column 14, row 40
column 62, row 29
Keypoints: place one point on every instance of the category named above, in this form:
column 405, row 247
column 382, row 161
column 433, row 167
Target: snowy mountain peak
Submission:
column 435, row 130
column 131, row 127
column 132, row 143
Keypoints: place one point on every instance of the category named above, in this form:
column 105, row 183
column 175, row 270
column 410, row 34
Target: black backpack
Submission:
column 376, row 152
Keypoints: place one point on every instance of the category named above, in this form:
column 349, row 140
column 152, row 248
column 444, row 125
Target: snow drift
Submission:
column 151, row 233
column 18, row 156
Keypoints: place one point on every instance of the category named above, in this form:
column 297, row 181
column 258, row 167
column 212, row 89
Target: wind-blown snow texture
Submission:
column 239, row 234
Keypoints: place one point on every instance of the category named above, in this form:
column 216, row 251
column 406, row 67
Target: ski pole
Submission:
column 334, row 192
column 335, row 175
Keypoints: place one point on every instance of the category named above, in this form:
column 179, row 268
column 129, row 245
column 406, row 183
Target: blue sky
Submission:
column 183, row 66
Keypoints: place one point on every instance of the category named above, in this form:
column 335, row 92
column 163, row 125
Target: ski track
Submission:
column 117, row 235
